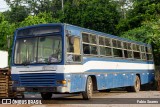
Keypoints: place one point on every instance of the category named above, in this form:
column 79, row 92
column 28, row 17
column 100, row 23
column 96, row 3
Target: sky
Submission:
column 3, row 6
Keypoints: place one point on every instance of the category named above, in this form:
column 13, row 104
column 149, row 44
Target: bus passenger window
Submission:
column 136, row 55
column 125, row 45
column 119, row 44
column 108, row 51
column 101, row 40
column 117, row 53
column 107, row 42
column 85, row 37
column 143, row 56
column 128, row 54
column 114, row 43
column 93, row 39
column 86, row 49
column 73, row 49
column 102, row 51
column 94, row 50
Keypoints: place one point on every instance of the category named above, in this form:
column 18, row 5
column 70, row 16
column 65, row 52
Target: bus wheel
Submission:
column 46, row 96
column 89, row 89
column 137, row 85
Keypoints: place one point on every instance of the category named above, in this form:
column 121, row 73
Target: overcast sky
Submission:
column 3, row 6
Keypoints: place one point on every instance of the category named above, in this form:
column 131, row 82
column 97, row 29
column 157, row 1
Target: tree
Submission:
column 6, row 29
column 143, row 10
column 100, row 15
column 41, row 18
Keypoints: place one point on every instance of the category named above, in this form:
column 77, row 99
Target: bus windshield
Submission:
column 44, row 49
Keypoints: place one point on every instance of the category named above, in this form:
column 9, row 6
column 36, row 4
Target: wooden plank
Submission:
column 3, row 95
column 4, row 88
column 4, row 81
column 4, row 76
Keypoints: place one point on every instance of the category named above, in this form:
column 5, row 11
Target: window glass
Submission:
column 101, row 40
column 102, row 50
column 93, row 39
column 86, row 49
column 119, row 44
column 142, row 49
column 143, row 55
column 128, row 54
column 117, row 53
column 138, row 47
column 26, row 50
column 108, row 51
column 73, row 58
column 73, row 49
column 107, row 42
column 49, row 49
column 129, row 46
column 85, row 37
column 125, row 45
column 93, row 49
column 134, row 47
column 114, row 43
column 136, row 55
column 46, row 49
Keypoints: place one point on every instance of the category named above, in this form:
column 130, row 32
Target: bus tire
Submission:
column 87, row 94
column 137, row 85
column 46, row 96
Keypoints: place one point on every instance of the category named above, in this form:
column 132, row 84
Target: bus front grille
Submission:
column 37, row 79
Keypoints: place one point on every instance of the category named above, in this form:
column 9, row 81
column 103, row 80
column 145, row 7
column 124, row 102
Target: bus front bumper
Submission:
column 59, row 89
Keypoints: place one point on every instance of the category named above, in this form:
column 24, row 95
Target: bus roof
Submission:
column 89, row 31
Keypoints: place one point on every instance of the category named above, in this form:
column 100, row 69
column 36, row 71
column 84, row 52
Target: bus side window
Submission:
column 86, row 49
column 70, row 43
column 73, row 49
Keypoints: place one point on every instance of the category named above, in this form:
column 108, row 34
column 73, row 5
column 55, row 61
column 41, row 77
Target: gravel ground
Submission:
column 112, row 99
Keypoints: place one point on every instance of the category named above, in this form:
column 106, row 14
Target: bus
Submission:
column 63, row 58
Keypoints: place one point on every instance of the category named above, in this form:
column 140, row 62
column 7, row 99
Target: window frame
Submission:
column 105, row 46
column 70, row 53
column 116, row 47
column 90, row 44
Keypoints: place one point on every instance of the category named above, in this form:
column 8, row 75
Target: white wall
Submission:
column 3, row 59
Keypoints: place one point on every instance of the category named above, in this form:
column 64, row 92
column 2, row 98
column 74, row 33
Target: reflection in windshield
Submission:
column 46, row 49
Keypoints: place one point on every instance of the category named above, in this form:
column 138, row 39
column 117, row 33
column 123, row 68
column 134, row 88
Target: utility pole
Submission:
column 62, row 5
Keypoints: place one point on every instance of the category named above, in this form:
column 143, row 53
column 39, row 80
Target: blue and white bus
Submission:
column 63, row 58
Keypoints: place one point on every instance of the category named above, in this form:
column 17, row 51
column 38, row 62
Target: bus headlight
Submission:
column 61, row 82
column 20, row 89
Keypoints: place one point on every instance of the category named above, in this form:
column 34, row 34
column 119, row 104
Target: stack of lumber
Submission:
column 5, row 83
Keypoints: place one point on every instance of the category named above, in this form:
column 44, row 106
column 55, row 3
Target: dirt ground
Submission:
column 100, row 99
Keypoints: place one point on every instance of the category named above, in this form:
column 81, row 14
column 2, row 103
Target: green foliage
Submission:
column 143, row 10
column 41, row 18
column 100, row 15
column 6, row 29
